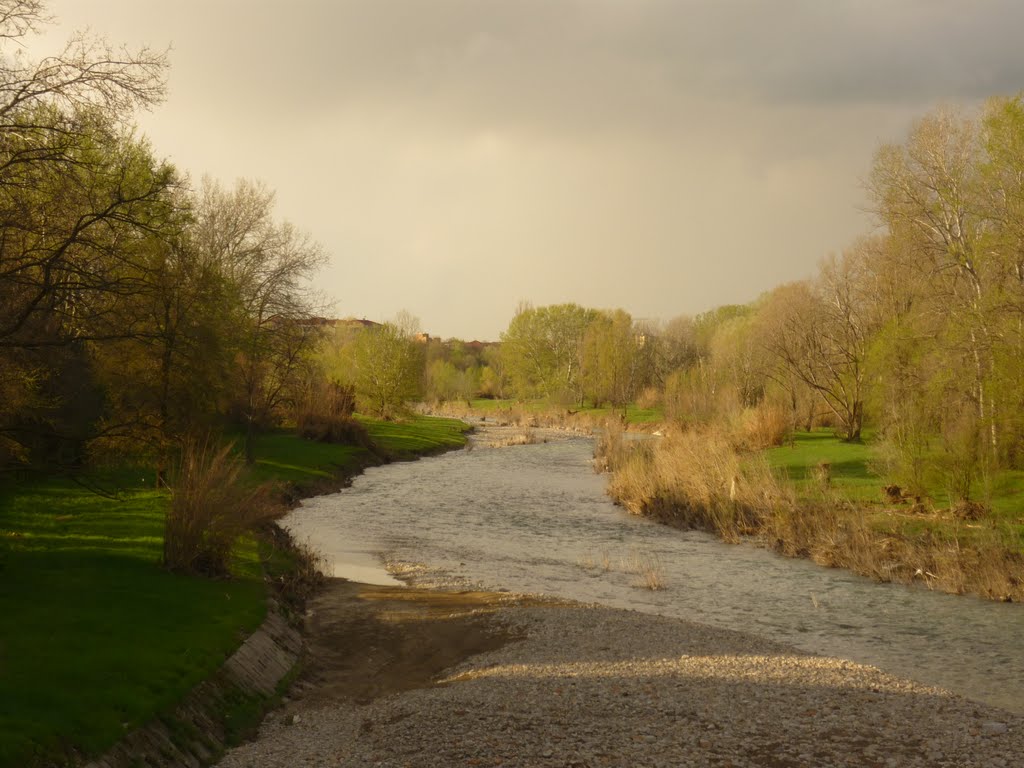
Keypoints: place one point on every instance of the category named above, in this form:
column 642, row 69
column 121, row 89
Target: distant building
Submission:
column 352, row 322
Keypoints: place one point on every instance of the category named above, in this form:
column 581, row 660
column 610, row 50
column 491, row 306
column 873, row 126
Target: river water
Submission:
column 536, row 519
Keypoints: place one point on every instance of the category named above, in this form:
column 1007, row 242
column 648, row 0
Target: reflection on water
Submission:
column 536, row 519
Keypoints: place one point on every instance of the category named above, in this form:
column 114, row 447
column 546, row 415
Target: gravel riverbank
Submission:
column 412, row 677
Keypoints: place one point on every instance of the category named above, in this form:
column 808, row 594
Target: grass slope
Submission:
column 96, row 638
column 853, row 478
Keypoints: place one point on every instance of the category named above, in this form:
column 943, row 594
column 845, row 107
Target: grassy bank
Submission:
column 96, row 637
column 853, row 479
column 541, row 413
column 785, row 499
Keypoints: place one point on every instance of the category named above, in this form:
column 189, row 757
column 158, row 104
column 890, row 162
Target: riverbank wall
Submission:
column 211, row 716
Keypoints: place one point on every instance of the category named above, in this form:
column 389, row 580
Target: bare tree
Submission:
column 266, row 267
column 819, row 334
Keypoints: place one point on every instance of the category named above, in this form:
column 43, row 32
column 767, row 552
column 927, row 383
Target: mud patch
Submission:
column 366, row 641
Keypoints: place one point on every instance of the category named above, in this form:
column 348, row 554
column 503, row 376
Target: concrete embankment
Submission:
column 198, row 729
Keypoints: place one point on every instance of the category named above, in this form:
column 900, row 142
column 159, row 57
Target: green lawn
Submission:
column 96, row 638
column 417, row 435
column 285, row 457
column 634, row 415
column 849, row 465
column 852, row 476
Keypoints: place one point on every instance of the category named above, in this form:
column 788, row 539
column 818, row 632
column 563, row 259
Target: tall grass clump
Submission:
column 610, row 447
column 765, row 426
column 698, row 479
column 211, row 506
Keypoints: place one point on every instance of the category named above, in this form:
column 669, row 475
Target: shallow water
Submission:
column 536, row 519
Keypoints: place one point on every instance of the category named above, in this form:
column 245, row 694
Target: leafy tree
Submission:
column 610, row 359
column 543, row 349
column 77, row 191
column 389, row 364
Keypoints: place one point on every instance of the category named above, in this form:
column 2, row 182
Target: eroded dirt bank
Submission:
column 408, row 677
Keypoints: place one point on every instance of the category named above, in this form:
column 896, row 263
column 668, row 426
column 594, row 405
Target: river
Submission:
column 535, row 519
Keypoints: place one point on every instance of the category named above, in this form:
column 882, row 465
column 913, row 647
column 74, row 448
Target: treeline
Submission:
column 915, row 331
column 135, row 307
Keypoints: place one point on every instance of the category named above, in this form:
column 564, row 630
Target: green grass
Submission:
column 283, row 456
column 634, row 414
column 417, row 435
column 853, row 477
column 850, row 465
column 96, row 638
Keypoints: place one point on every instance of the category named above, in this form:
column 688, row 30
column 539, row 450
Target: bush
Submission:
column 332, row 429
column 210, row 508
column 765, row 426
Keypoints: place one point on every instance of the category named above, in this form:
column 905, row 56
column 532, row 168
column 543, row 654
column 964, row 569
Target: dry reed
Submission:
column 647, row 567
column 699, row 479
column 210, row 508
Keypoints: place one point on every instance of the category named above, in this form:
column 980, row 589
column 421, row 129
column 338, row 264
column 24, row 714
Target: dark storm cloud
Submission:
column 593, row 63
column 664, row 156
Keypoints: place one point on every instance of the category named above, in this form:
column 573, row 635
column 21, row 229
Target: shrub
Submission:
column 210, row 508
column 650, row 397
column 325, row 428
column 765, row 426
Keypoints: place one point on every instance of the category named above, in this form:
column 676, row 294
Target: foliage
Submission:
column 388, row 364
column 610, row 359
column 542, row 349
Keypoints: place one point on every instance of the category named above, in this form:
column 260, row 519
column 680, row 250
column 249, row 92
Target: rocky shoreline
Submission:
column 417, row 677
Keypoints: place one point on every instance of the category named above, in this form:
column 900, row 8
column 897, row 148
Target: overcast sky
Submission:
column 455, row 157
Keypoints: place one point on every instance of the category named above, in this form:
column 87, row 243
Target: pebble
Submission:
column 595, row 687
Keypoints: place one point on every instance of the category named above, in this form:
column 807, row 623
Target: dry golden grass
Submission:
column 697, row 479
column 645, row 566
column 765, row 426
column 700, row 479
column 610, row 448
column 210, row 508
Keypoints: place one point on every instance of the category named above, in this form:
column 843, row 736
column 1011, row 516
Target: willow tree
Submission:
column 389, row 366
column 610, row 359
column 543, row 349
